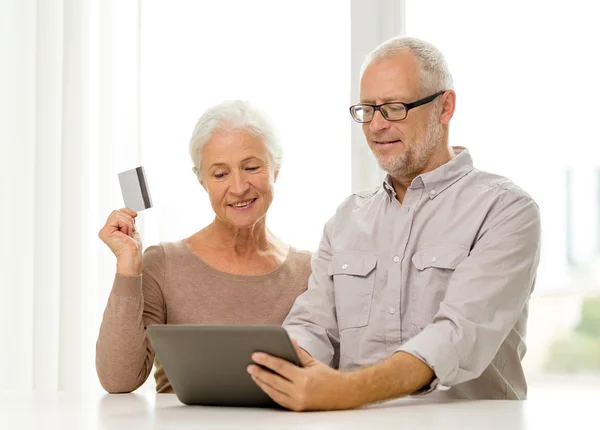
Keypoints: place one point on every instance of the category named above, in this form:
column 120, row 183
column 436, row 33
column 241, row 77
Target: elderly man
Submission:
column 421, row 285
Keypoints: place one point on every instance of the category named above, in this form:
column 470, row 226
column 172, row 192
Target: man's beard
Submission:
column 415, row 156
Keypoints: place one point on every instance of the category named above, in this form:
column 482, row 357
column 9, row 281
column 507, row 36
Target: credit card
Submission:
column 134, row 188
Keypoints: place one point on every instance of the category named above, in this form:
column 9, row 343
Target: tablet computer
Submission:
column 206, row 364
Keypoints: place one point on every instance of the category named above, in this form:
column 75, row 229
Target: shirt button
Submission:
column 434, row 259
column 392, row 310
column 344, row 266
column 432, row 192
column 396, row 259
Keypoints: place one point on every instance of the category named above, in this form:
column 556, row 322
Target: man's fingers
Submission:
column 272, row 379
column 305, row 357
column 277, row 365
column 279, row 397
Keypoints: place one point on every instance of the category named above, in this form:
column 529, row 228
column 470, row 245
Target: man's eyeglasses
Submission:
column 394, row 111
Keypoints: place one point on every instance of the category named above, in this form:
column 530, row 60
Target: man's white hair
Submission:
column 434, row 73
column 234, row 115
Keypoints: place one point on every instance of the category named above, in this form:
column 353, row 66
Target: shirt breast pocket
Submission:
column 433, row 268
column 353, row 282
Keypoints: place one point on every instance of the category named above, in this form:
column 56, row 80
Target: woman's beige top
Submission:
column 177, row 287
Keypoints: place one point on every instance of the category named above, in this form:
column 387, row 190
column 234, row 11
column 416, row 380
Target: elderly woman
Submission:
column 233, row 271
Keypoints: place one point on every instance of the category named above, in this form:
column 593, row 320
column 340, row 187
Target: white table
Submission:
column 68, row 411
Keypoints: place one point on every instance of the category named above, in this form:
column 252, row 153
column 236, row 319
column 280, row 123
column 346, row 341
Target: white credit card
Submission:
column 134, row 188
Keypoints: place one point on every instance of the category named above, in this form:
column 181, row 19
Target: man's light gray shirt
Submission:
column 445, row 276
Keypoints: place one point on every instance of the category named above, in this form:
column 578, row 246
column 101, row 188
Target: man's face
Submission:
column 402, row 148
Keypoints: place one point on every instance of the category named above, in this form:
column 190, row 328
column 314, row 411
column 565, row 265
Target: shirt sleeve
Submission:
column 485, row 297
column 124, row 356
column 312, row 319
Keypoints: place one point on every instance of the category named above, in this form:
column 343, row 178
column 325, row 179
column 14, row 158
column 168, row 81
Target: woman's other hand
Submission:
column 121, row 236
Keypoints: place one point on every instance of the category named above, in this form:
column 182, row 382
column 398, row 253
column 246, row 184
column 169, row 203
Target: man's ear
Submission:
column 448, row 106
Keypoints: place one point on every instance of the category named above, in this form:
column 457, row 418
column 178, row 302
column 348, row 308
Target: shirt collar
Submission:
column 438, row 180
column 389, row 187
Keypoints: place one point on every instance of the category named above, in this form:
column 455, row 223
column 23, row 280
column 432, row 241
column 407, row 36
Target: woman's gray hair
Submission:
column 234, row 115
column 434, row 73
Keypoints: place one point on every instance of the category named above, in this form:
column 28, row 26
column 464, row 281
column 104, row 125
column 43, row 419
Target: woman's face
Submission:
column 238, row 174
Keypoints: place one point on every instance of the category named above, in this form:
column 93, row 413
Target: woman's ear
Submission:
column 197, row 173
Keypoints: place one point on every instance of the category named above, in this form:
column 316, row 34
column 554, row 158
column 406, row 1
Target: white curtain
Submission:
column 68, row 116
